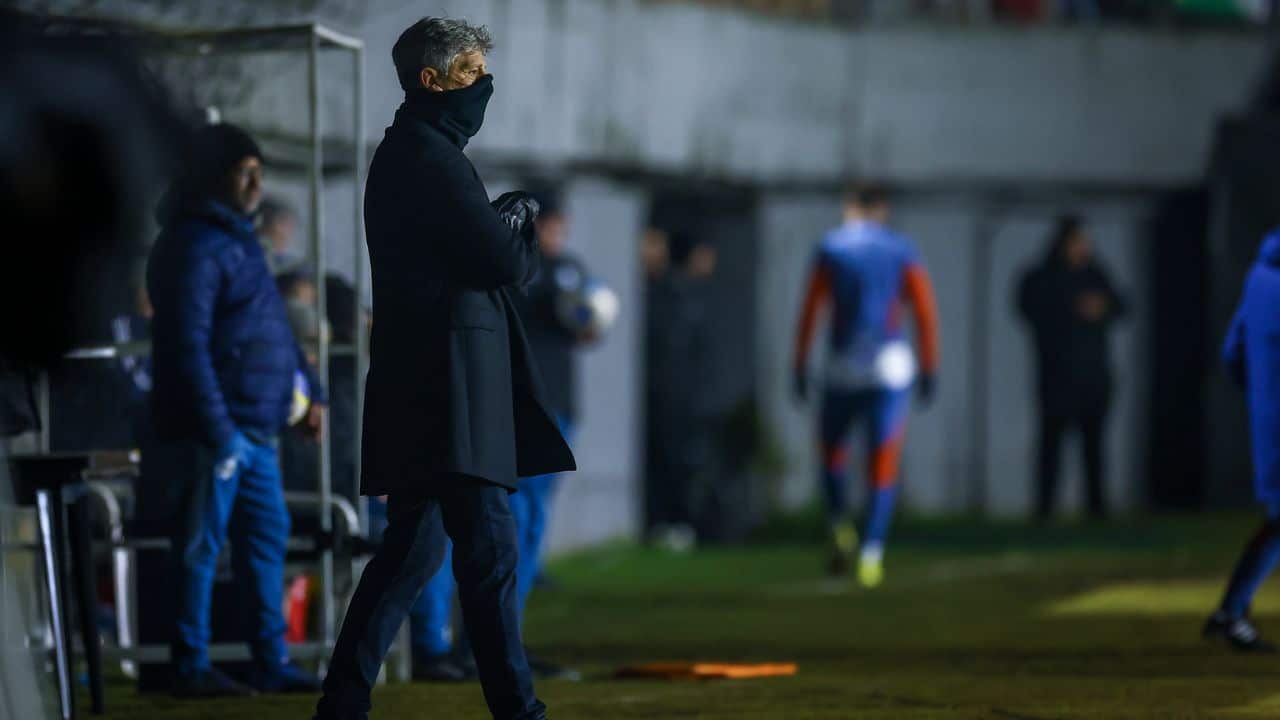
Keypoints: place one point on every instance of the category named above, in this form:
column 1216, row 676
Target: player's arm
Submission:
column 917, row 290
column 1233, row 350
column 817, row 295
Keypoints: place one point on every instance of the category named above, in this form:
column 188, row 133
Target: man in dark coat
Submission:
column 679, row 368
column 1071, row 305
column 453, row 405
column 224, row 366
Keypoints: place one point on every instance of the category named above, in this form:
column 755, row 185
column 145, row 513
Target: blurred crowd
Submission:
column 1014, row 11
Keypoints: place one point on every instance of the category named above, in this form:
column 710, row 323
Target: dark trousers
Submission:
column 1053, row 427
column 477, row 517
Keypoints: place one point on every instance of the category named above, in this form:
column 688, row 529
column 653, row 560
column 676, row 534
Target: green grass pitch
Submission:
column 973, row 621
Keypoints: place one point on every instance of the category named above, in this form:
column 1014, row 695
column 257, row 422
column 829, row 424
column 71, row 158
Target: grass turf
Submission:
column 973, row 621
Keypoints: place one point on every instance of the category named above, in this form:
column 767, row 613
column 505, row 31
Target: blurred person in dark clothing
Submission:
column 1071, row 305
column 553, row 346
column 679, row 373
column 454, row 410
column 278, row 230
column 225, row 364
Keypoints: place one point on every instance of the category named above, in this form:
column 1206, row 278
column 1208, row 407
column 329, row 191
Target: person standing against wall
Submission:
column 679, row 367
column 1071, row 305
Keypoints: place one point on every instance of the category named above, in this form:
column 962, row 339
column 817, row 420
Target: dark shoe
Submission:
column 551, row 671
column 441, row 669
column 208, row 683
column 288, row 678
column 1240, row 633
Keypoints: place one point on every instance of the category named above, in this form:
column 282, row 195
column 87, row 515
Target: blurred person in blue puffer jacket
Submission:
column 1252, row 357
column 226, row 369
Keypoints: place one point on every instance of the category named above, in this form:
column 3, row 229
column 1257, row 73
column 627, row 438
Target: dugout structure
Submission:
column 315, row 156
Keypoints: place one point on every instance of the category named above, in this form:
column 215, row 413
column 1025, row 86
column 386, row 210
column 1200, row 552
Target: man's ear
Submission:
column 428, row 78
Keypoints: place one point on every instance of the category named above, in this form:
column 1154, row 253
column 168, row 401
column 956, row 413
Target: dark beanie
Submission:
column 215, row 151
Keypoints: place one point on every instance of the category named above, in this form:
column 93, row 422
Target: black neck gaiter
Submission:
column 456, row 113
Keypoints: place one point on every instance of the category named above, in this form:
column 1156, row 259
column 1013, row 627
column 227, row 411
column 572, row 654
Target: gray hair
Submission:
column 436, row 43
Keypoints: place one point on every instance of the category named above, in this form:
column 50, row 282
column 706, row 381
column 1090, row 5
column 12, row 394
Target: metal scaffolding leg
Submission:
column 327, row 599
column 49, row 517
column 361, row 339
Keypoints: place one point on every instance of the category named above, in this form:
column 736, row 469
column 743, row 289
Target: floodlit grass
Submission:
column 974, row 621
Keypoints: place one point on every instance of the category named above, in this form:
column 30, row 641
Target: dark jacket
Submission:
column 1071, row 350
column 452, row 386
column 1252, row 356
column 680, row 370
column 553, row 344
column 223, row 356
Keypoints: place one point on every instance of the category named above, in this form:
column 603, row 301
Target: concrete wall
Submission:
column 662, row 86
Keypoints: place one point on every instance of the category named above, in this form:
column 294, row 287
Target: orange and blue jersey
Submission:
column 866, row 274
column 868, row 277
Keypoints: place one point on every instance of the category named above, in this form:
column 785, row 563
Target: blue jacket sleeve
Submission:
column 1233, row 350
column 195, row 302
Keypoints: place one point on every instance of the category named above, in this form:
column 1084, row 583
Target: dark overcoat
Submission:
column 453, row 389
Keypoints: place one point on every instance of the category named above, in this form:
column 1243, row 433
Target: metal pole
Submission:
column 360, row 338
column 48, row 515
column 328, row 609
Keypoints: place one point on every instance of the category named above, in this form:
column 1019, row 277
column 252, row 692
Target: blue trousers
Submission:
column 477, row 518
column 1256, row 563
column 430, row 616
column 247, row 508
column 884, row 416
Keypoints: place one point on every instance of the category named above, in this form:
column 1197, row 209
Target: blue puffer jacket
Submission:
column 1252, row 355
column 223, row 354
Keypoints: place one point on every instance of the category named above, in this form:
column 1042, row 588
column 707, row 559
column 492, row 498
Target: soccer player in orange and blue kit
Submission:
column 867, row 275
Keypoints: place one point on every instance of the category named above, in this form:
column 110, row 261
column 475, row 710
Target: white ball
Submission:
column 591, row 310
column 604, row 306
column 896, row 365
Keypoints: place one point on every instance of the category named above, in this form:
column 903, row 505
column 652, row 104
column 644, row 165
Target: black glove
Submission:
column 518, row 210
column 925, row 388
column 800, row 384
